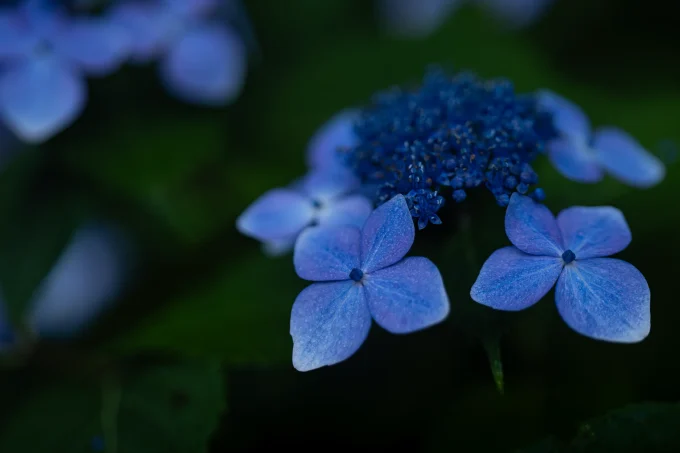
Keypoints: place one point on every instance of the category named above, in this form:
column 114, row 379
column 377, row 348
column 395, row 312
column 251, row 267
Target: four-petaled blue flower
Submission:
column 602, row 298
column 321, row 198
column 584, row 156
column 203, row 61
column 43, row 55
column 361, row 275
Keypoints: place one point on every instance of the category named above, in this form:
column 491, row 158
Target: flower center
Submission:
column 356, row 274
column 568, row 257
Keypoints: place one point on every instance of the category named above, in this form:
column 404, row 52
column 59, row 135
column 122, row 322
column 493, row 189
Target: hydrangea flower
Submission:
column 86, row 278
column 420, row 18
column 203, row 61
column 450, row 135
column 336, row 134
column 44, row 55
column 584, row 156
column 280, row 215
column 361, row 274
column 602, row 298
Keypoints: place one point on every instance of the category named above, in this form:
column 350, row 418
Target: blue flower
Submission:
column 203, row 61
column 321, row 198
column 43, row 55
column 362, row 275
column 602, row 298
column 336, row 134
column 584, row 156
column 448, row 136
column 85, row 280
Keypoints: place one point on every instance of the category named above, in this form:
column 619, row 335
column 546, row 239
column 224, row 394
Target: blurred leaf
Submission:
column 176, row 169
column 648, row 427
column 147, row 409
column 240, row 314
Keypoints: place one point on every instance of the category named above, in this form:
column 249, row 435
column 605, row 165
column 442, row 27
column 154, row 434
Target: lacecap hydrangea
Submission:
column 374, row 171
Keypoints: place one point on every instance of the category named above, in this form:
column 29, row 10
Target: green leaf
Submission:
column 176, row 170
column 163, row 408
column 240, row 315
column 648, row 427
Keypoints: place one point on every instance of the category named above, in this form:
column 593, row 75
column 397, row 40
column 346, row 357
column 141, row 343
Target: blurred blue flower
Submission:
column 584, row 156
column 362, row 275
column 602, row 298
column 452, row 134
column 420, row 18
column 43, row 56
column 85, row 280
column 203, row 61
column 337, row 133
column 278, row 216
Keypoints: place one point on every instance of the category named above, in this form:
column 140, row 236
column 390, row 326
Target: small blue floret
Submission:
column 356, row 274
column 568, row 256
column 459, row 132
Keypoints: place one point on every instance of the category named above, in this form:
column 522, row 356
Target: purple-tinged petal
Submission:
column 387, row 235
column 407, row 296
column 513, row 280
column 575, row 160
column 278, row 214
column 624, row 157
column 606, row 299
column 410, row 18
column 40, row 97
column 338, row 132
column 97, row 46
column 87, row 277
column 206, row 66
column 531, row 227
column 14, row 41
column 592, row 232
column 323, row 186
column 327, row 253
column 569, row 119
column 328, row 323
column 351, row 210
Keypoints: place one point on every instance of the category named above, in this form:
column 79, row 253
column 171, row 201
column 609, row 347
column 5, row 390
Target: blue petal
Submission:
column 97, row 46
column 278, row 214
column 623, row 157
column 414, row 18
column 87, row 277
column 605, row 299
column 206, row 66
column 324, row 185
column 14, row 41
column 569, row 119
column 329, row 322
column 531, row 227
column 279, row 247
column 517, row 13
column 143, row 24
column 408, row 296
column 512, row 280
column 327, row 253
column 351, row 210
column 387, row 235
column 40, row 97
column 575, row 160
column 338, row 132
column 591, row 232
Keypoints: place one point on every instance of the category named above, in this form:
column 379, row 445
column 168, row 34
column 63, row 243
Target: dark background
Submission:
column 176, row 177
